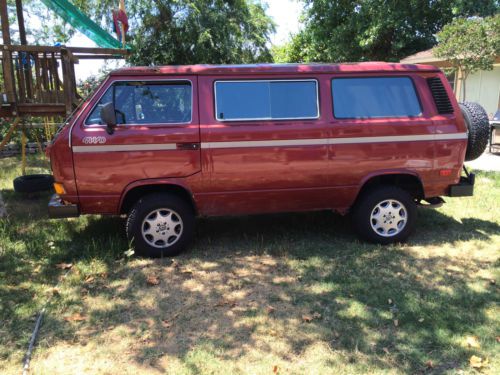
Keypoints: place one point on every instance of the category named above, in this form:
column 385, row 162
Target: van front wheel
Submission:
column 385, row 215
column 160, row 225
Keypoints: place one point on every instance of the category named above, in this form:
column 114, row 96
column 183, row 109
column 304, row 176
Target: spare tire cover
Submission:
column 32, row 183
column 478, row 126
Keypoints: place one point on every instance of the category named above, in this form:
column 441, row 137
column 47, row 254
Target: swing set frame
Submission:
column 39, row 81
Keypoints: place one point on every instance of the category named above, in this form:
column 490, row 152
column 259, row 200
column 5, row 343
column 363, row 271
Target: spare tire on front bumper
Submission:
column 478, row 128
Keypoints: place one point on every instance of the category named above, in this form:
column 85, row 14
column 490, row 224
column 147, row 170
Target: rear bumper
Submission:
column 58, row 209
column 464, row 188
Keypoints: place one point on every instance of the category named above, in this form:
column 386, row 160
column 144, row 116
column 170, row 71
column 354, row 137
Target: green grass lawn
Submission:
column 287, row 294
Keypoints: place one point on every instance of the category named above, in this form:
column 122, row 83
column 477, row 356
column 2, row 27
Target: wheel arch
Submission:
column 136, row 190
column 406, row 180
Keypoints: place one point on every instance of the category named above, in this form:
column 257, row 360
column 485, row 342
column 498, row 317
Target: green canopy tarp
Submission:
column 72, row 15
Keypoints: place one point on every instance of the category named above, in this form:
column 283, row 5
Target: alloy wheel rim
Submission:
column 162, row 228
column 388, row 218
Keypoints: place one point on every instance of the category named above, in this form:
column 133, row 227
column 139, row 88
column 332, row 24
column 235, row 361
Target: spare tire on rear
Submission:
column 478, row 126
column 33, row 183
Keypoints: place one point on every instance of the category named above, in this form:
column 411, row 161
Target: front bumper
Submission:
column 465, row 187
column 58, row 209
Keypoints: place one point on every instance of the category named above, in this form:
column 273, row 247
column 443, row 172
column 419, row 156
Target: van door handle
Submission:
column 188, row 146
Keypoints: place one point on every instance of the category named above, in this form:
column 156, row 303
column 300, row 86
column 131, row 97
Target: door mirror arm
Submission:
column 110, row 129
column 108, row 116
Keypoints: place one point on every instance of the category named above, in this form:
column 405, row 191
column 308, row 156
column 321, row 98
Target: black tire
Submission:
column 33, row 183
column 366, row 204
column 478, row 126
column 143, row 208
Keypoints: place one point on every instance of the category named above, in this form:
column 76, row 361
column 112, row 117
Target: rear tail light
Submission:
column 445, row 172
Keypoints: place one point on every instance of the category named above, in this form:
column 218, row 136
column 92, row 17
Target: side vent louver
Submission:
column 440, row 96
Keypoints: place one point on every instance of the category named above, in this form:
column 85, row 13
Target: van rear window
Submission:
column 374, row 97
column 147, row 103
column 266, row 100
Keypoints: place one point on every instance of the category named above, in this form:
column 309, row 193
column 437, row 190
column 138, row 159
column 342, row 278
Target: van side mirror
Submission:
column 108, row 116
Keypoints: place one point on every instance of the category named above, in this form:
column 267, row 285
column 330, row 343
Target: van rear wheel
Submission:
column 160, row 225
column 385, row 215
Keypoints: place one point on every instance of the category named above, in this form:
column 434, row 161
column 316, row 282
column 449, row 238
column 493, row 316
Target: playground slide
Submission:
column 82, row 23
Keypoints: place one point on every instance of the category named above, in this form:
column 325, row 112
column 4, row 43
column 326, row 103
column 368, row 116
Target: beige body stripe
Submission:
column 276, row 143
column 335, row 141
column 139, row 147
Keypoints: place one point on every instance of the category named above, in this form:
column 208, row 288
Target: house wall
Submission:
column 483, row 87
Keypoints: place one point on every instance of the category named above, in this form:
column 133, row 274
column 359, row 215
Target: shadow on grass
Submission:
column 215, row 297
column 223, row 308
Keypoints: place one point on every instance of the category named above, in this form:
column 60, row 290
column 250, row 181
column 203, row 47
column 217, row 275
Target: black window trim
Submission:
column 318, row 115
column 147, row 81
column 381, row 117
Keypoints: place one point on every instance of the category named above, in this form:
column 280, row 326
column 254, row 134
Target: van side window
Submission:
column 374, row 97
column 266, row 100
column 147, row 103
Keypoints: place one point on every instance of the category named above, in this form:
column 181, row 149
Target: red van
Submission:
column 165, row 144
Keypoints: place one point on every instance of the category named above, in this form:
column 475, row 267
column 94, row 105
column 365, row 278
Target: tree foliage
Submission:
column 202, row 31
column 176, row 31
column 357, row 30
column 470, row 44
column 46, row 30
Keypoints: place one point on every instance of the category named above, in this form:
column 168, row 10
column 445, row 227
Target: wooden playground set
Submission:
column 37, row 83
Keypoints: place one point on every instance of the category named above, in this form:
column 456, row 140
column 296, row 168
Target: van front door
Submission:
column 157, row 137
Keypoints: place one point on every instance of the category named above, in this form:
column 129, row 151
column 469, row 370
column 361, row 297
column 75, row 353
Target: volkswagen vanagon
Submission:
column 163, row 145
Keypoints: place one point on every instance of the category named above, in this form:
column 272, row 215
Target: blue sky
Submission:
column 284, row 12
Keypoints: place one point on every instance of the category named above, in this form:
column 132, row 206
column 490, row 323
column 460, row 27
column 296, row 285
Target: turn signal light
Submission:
column 445, row 172
column 59, row 188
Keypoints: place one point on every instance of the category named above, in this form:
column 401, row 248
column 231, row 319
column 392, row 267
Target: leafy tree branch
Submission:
column 470, row 45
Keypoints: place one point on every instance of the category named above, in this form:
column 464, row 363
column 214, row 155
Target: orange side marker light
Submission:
column 59, row 188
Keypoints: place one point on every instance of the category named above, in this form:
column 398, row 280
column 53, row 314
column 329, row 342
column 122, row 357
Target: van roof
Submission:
column 205, row 69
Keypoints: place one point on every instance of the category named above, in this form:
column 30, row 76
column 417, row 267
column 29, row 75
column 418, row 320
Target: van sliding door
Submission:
column 263, row 144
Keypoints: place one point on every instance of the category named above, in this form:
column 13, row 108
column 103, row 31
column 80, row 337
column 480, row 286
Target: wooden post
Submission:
column 5, row 22
column 8, row 75
column 67, row 80
column 76, row 97
column 20, row 21
column 28, row 78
